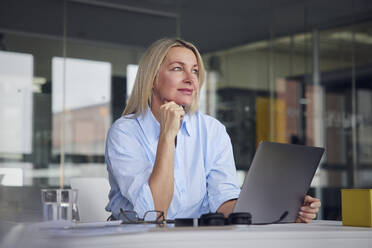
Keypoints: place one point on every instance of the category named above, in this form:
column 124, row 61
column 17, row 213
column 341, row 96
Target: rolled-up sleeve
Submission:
column 130, row 169
column 222, row 184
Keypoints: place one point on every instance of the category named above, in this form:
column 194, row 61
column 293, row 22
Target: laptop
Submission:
column 277, row 181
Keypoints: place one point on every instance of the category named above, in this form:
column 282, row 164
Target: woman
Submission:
column 165, row 155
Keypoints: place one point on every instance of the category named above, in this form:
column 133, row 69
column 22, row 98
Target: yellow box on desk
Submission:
column 356, row 207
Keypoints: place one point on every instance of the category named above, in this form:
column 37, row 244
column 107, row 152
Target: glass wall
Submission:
column 60, row 93
column 311, row 88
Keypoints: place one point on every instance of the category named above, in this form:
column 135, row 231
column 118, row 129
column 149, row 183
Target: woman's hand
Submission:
column 170, row 116
column 308, row 210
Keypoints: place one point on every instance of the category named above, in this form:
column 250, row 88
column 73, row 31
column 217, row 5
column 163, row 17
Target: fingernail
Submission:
column 312, row 205
column 301, row 213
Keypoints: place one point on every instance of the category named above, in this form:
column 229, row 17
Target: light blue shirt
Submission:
column 204, row 168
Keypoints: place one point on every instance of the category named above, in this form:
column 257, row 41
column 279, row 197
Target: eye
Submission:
column 177, row 68
column 195, row 71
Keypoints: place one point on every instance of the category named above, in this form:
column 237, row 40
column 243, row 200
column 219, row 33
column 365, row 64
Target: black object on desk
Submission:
column 212, row 219
column 239, row 219
column 185, row 222
column 216, row 219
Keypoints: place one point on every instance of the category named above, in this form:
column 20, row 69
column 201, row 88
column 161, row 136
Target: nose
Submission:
column 190, row 78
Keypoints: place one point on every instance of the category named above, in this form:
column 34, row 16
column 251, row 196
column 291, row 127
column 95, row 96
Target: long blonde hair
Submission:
column 148, row 69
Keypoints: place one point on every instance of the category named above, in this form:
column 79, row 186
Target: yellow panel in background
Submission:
column 280, row 121
column 263, row 120
column 356, row 207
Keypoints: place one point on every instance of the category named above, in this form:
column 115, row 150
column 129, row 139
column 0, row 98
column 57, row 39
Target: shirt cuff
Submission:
column 221, row 198
column 144, row 201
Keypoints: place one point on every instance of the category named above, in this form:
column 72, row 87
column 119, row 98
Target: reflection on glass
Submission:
column 364, row 122
column 131, row 77
column 208, row 94
column 16, row 73
column 11, row 176
column 16, row 174
column 86, row 102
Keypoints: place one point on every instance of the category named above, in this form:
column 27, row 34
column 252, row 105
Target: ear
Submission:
column 155, row 83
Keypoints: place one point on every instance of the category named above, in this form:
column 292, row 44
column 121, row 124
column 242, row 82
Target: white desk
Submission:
column 317, row 234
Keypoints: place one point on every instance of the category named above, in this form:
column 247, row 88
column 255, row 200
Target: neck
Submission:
column 155, row 108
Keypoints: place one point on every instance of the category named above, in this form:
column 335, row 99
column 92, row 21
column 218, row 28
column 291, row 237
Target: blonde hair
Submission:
column 148, row 69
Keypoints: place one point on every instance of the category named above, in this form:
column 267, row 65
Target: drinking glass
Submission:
column 60, row 204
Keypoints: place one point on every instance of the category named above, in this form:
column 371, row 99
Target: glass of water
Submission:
column 59, row 204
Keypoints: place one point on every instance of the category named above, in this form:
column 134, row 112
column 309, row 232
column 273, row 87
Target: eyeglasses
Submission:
column 150, row 217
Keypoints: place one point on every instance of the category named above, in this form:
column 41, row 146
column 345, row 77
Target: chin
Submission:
column 183, row 102
column 186, row 104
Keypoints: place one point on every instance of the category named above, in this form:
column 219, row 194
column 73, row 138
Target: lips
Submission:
column 186, row 91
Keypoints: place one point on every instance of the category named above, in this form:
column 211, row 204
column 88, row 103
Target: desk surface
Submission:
column 317, row 234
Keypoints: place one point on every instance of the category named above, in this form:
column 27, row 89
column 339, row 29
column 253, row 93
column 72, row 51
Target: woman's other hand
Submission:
column 170, row 115
column 308, row 210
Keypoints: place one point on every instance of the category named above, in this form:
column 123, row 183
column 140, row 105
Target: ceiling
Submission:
column 211, row 24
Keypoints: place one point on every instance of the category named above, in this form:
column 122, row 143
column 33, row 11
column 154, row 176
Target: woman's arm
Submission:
column 222, row 183
column 162, row 177
column 227, row 207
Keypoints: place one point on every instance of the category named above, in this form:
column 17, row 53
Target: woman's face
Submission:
column 177, row 79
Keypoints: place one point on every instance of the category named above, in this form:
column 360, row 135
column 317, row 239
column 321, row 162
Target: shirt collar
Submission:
column 151, row 126
column 187, row 124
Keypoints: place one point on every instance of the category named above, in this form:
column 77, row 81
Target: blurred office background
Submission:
column 291, row 71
